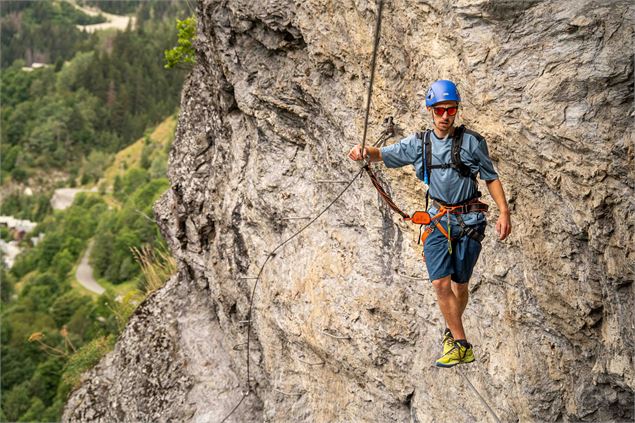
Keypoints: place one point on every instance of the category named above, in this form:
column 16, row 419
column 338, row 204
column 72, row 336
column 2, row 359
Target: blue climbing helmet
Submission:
column 442, row 90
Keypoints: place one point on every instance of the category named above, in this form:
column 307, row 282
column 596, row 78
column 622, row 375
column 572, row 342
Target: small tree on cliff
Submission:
column 184, row 51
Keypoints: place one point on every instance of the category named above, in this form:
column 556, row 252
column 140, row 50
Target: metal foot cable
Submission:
column 388, row 132
column 479, row 396
column 262, row 267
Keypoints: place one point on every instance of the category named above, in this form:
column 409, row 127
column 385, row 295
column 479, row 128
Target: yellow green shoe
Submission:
column 457, row 354
column 448, row 341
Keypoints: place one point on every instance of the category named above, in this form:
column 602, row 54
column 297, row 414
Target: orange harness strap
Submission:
column 443, row 210
column 435, row 220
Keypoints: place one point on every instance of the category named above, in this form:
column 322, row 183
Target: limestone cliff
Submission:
column 345, row 324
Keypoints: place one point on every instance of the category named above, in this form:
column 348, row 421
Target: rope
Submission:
column 389, row 131
column 479, row 396
column 384, row 195
column 372, row 70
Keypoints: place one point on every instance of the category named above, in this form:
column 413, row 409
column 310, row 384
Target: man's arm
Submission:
column 504, row 223
column 373, row 153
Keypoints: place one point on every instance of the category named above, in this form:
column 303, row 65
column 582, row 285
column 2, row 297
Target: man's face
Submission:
column 444, row 121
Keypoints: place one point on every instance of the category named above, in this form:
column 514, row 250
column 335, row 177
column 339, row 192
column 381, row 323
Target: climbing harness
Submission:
column 473, row 204
column 457, row 211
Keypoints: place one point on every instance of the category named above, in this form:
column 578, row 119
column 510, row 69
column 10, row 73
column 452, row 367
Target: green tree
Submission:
column 5, row 234
column 117, row 187
column 133, row 179
column 66, row 305
column 70, row 77
column 46, row 378
column 9, row 159
column 15, row 85
column 146, row 153
column 84, row 324
column 7, row 285
column 62, row 264
column 35, row 411
column 25, row 263
column 19, row 175
column 39, row 292
column 159, row 167
column 95, row 164
column 48, row 248
column 124, row 266
column 184, row 50
column 17, row 401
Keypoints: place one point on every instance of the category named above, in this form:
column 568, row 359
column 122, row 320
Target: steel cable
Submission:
column 479, row 396
column 262, row 267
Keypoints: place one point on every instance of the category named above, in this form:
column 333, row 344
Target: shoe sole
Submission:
column 446, row 366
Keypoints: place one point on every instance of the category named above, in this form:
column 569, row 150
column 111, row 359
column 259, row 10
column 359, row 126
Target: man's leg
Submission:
column 461, row 292
column 452, row 298
column 451, row 305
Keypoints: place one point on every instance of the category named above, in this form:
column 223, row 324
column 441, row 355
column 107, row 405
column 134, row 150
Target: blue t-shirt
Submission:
column 446, row 185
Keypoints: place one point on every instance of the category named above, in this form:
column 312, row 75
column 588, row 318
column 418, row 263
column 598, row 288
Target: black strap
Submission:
column 467, row 207
column 443, row 166
column 468, row 230
column 428, row 152
column 426, row 160
column 457, row 143
column 456, row 163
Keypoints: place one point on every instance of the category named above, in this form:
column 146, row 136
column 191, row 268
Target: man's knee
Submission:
column 460, row 289
column 443, row 286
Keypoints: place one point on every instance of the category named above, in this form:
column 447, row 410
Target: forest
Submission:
column 101, row 98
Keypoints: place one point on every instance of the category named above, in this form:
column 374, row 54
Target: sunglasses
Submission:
column 439, row 111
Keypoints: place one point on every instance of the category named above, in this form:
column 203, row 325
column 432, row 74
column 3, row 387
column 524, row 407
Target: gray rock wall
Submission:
column 345, row 324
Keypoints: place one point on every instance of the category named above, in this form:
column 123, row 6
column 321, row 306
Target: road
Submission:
column 84, row 274
column 63, row 197
column 114, row 21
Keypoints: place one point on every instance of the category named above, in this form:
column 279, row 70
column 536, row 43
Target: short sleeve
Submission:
column 403, row 153
column 486, row 168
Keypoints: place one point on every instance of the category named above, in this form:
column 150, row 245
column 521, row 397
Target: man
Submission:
column 450, row 252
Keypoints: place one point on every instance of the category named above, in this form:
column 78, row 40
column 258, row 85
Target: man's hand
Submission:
column 504, row 225
column 356, row 153
column 504, row 222
column 373, row 154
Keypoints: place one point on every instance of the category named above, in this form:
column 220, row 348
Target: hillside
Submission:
column 53, row 327
column 156, row 144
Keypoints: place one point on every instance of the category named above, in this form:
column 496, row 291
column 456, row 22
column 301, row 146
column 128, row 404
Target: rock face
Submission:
column 345, row 326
